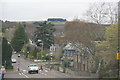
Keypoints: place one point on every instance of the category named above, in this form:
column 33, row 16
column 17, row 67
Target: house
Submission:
column 68, row 51
column 84, row 60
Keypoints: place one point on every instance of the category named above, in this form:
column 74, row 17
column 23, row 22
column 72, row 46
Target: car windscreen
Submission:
column 33, row 65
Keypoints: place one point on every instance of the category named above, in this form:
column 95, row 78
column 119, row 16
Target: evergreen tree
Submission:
column 6, row 54
column 45, row 34
column 0, row 50
column 19, row 39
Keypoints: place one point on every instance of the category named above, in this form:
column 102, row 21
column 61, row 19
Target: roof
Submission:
column 69, row 46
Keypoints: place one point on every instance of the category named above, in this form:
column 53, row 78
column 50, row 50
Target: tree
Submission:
column 19, row 39
column 41, row 55
column 31, row 54
column 24, row 50
column 33, row 51
column 0, row 50
column 66, row 63
column 78, row 32
column 82, row 31
column 107, row 50
column 111, row 40
column 6, row 54
column 102, row 13
column 45, row 34
column 59, row 39
column 83, row 36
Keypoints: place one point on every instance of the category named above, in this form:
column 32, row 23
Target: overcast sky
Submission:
column 36, row 10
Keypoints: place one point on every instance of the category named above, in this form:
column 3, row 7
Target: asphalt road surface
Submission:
column 46, row 73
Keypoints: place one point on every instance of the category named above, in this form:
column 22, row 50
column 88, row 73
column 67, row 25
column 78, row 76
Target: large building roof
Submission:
column 69, row 46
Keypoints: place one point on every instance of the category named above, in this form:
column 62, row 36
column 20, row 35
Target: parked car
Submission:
column 33, row 68
column 13, row 60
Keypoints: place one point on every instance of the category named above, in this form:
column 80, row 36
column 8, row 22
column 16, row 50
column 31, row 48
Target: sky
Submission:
column 37, row 10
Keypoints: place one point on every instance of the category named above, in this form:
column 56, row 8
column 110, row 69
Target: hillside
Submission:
column 30, row 28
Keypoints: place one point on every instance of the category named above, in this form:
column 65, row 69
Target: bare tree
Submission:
column 78, row 32
column 102, row 12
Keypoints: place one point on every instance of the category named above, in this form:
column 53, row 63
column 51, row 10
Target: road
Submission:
column 46, row 73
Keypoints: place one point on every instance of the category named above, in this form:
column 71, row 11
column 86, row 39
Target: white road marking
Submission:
column 24, row 70
column 20, row 74
column 25, row 75
column 46, row 71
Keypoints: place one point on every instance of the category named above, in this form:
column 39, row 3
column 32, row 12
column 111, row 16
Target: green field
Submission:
column 57, row 22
